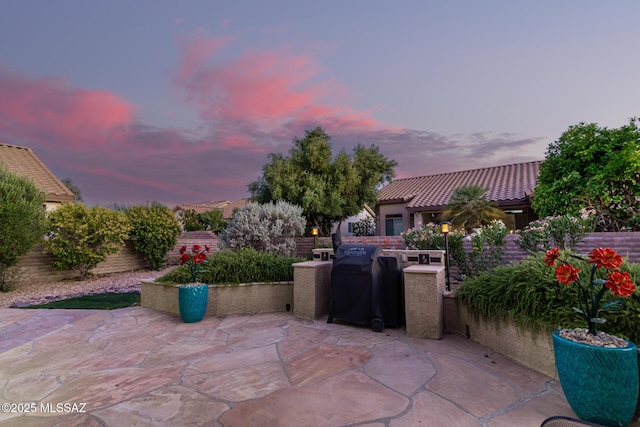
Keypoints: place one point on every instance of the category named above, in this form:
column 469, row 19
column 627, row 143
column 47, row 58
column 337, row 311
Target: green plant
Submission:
column 234, row 267
column 593, row 167
column 154, row 231
column 365, row 227
column 194, row 261
column 23, row 222
column 213, row 220
column 562, row 231
column 327, row 188
column 591, row 293
column 469, row 208
column 528, row 294
column 487, row 244
column 270, row 227
column 190, row 220
column 80, row 238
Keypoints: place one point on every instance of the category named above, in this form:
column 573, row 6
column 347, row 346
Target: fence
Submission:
column 37, row 266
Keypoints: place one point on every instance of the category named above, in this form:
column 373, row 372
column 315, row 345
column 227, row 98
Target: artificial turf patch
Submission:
column 109, row 301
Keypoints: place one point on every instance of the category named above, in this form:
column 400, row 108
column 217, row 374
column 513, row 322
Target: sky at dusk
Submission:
column 182, row 101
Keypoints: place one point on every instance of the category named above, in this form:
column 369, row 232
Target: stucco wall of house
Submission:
column 386, row 210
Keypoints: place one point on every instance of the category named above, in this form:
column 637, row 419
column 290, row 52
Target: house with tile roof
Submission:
column 227, row 207
column 23, row 161
column 411, row 202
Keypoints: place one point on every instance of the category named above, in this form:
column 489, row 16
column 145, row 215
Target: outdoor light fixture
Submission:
column 314, row 232
column 444, row 229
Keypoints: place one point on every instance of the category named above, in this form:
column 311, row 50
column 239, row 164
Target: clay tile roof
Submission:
column 507, row 184
column 22, row 161
column 203, row 206
column 225, row 206
column 227, row 211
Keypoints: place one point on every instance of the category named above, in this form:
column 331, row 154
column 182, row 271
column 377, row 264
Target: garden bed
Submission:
column 224, row 300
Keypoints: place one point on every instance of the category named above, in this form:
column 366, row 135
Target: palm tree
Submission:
column 469, row 208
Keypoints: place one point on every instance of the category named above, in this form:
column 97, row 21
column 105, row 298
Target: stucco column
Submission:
column 311, row 288
column 423, row 289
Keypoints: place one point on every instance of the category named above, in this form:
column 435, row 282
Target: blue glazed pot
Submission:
column 600, row 384
column 192, row 301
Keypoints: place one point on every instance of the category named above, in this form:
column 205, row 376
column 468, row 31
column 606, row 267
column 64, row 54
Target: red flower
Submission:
column 183, row 249
column 196, row 248
column 207, row 248
column 620, row 284
column 605, row 257
column 551, row 256
column 184, row 258
column 567, row 274
column 199, row 258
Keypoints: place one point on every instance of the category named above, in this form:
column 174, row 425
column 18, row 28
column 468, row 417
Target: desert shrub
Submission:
column 269, row 227
column 154, row 231
column 242, row 266
column 80, row 238
column 23, row 222
column 528, row 293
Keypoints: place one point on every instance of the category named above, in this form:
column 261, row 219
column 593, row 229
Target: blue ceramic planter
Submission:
column 600, row 384
column 192, row 301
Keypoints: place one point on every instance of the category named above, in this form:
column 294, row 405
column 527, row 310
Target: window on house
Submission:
column 393, row 225
column 412, row 220
column 350, row 227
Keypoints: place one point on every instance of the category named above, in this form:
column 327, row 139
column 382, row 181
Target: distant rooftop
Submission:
column 508, row 185
column 23, row 161
column 225, row 206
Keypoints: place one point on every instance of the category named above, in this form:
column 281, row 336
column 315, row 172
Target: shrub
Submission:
column 154, row 231
column 529, row 294
column 562, row 231
column 190, row 220
column 234, row 267
column 213, row 220
column 268, row 227
column 487, row 245
column 364, row 227
column 23, row 222
column 80, row 238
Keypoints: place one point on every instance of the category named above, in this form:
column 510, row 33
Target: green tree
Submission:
column 469, row 208
column 213, row 220
column 595, row 168
column 23, row 221
column 80, row 238
column 73, row 188
column 154, row 231
column 328, row 189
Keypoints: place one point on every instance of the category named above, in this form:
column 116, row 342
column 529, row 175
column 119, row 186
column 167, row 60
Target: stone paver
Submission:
column 137, row 366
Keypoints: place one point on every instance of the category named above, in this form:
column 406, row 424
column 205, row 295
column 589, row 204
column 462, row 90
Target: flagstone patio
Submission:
column 137, row 366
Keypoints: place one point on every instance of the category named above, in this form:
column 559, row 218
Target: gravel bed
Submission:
column 38, row 293
column 601, row 339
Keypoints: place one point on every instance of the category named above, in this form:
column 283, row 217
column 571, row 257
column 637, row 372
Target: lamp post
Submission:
column 314, row 232
column 444, row 229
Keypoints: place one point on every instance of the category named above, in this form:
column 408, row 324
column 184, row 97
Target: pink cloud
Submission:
column 52, row 106
column 268, row 89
